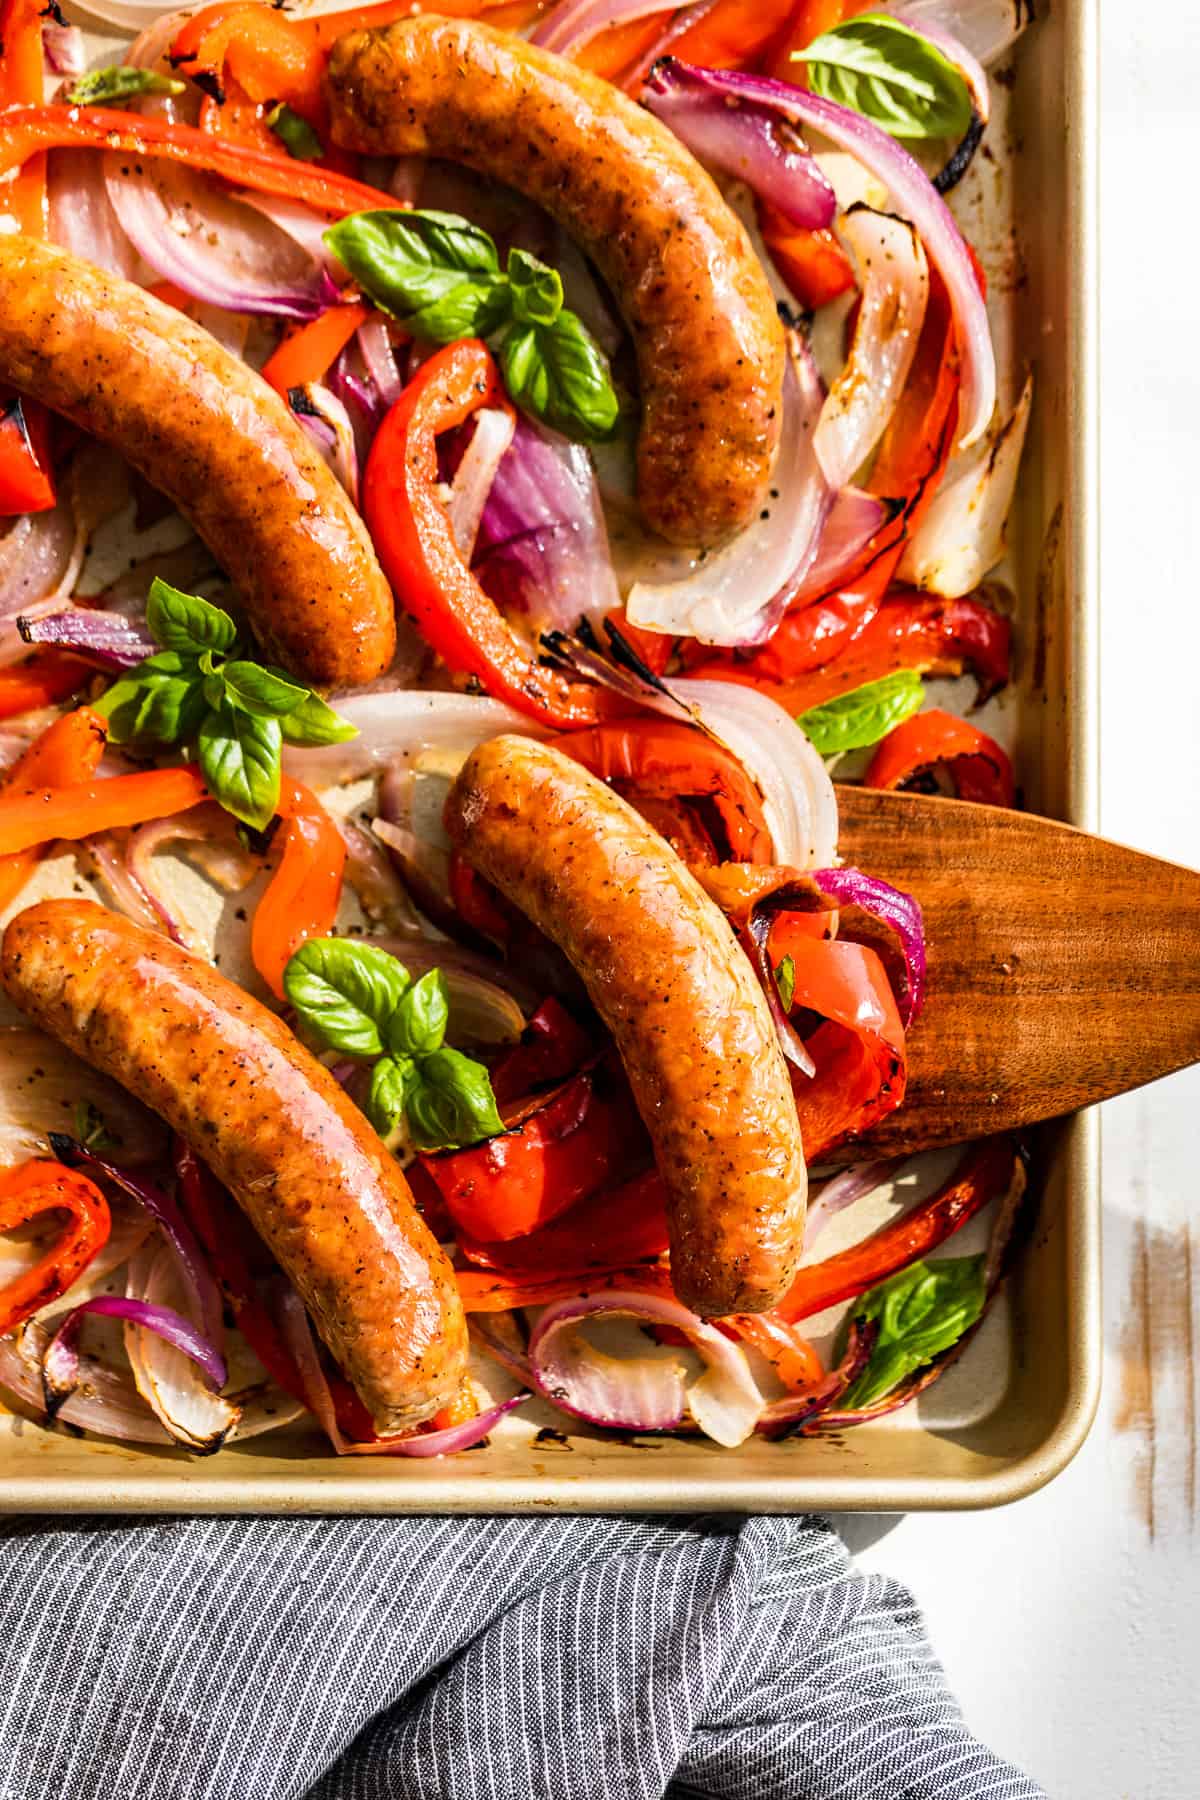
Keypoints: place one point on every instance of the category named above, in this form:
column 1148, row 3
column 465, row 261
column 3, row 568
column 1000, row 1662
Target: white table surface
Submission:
column 1070, row 1622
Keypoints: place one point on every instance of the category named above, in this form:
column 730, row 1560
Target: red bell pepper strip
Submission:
column 68, row 751
column 40, row 1187
column 37, row 816
column 481, row 905
column 612, row 1229
column 732, row 35
column 739, row 889
column 859, row 1050
column 812, row 262
column 983, row 1175
column 232, row 1247
column 582, row 1137
column 791, row 1356
column 487, row 1290
column 25, row 131
column 653, row 649
column 308, row 353
column 659, row 759
column 21, row 84
column 42, row 679
column 553, row 1046
column 675, row 821
column 301, row 898
column 932, row 637
column 26, row 475
column 410, row 525
column 975, row 762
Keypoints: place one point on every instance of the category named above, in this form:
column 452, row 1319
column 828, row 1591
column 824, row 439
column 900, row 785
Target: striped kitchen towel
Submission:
column 468, row 1659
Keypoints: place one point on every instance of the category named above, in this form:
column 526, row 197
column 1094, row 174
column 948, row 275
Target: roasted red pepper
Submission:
column 813, row 263
column 21, row 84
column 308, row 353
column 301, row 899
column 41, row 680
column 26, row 474
column 487, row 1290
column 983, row 1175
column 660, row 760
column 858, row 1049
column 612, row 1229
column 582, row 1137
column 408, row 520
column 791, row 1356
column 28, row 1191
column 553, row 1046
column 975, row 762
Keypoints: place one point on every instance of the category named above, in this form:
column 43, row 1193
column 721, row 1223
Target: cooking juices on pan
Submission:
column 584, row 435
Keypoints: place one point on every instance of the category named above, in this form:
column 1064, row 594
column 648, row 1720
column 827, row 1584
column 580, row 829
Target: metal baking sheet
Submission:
column 1011, row 1414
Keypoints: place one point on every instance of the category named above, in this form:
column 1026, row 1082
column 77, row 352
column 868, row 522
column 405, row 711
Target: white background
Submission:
column 1070, row 1623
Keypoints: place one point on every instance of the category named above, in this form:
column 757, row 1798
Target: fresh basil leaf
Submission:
column 785, row 981
column 864, row 715
column 345, row 992
column 435, row 272
column 890, row 73
column 294, row 133
column 239, row 756
column 114, row 85
column 392, row 1080
column 418, row 1025
column 537, row 289
column 161, row 700
column 262, row 691
column 90, row 1128
column 186, row 623
column 452, row 1103
column 315, row 722
column 560, row 374
column 921, row 1312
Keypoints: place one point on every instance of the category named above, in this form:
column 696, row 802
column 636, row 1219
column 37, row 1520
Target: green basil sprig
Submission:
column 114, row 85
column 921, row 1312
column 440, row 276
column 199, row 689
column 855, row 720
column 891, row 74
column 294, row 133
column 358, row 1000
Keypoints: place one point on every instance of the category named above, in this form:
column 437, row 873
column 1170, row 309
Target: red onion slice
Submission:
column 473, row 478
column 569, row 27
column 854, row 518
column 168, row 1379
column 901, row 912
column 401, row 727
column 640, row 1393
column 60, row 1365
column 784, row 1416
column 893, row 278
column 977, row 29
column 852, row 1185
column 961, row 536
column 106, row 1401
column 64, row 48
column 912, row 195
column 374, row 340
column 728, row 597
column 106, row 639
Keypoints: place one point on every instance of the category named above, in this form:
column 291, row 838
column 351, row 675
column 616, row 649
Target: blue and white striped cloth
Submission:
column 468, row 1659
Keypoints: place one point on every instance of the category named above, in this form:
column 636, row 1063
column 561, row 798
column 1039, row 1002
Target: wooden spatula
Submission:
column 1062, row 969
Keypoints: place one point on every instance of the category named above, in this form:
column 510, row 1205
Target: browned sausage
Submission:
column 709, row 342
column 272, row 1124
column 671, row 982
column 217, row 441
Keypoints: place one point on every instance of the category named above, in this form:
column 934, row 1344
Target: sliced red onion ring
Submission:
column 893, row 278
column 751, row 143
column 175, row 1228
column 60, row 1365
column 300, row 1340
column 401, row 727
column 912, row 195
column 211, row 245
column 569, row 27
column 197, row 1415
column 851, row 1185
column 106, row 639
column 43, row 1083
column 493, row 433
column 542, row 548
column 901, row 912
column 854, row 518
column 956, row 52
column 784, row 1416
column 799, row 803
column 299, row 222
column 728, row 597
column 961, row 536
column 374, row 340
column 106, row 1401
column 64, row 47
column 640, row 1393
column 327, row 423
column 111, row 869
column 983, row 29
column 39, row 559
column 81, row 216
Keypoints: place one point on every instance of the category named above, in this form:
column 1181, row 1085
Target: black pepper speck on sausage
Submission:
column 272, row 1124
column 209, row 433
column 675, row 988
column 709, row 343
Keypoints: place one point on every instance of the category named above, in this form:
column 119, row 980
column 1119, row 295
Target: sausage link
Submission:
column 709, row 343
column 212, row 436
column 272, row 1124
column 671, row 982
